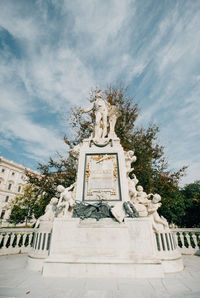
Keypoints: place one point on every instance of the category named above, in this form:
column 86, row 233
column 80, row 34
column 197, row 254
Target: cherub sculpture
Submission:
column 141, row 201
column 66, row 200
column 132, row 187
column 159, row 223
column 129, row 159
column 50, row 212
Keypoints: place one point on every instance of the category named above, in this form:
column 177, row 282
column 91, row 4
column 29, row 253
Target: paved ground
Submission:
column 17, row 281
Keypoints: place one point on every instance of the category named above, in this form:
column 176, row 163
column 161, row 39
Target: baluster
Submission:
column 171, row 241
column 182, row 239
column 161, row 243
column 194, row 239
column 175, row 238
column 12, row 237
column 32, row 239
column 5, row 240
column 167, row 240
column 24, row 239
column 40, row 240
column 188, row 241
column 198, row 239
column 18, row 239
column 156, row 239
column 1, row 237
column 43, row 241
column 174, row 241
column 36, row 240
column 29, row 239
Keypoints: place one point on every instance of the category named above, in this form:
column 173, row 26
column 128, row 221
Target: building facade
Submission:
column 12, row 180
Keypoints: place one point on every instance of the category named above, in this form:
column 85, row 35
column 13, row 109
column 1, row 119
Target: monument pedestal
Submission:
column 90, row 248
column 92, row 243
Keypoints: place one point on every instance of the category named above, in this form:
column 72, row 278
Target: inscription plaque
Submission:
column 101, row 178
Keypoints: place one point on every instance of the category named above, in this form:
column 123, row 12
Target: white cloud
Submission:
column 57, row 77
column 88, row 43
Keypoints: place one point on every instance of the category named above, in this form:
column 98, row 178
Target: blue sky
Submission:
column 53, row 52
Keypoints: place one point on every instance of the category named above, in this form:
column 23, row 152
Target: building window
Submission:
column 19, row 188
column 7, row 198
column 3, row 170
column 2, row 214
column 13, row 173
column 9, row 186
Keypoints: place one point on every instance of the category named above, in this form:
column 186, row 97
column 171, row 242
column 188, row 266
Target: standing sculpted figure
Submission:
column 66, row 199
column 132, row 187
column 100, row 108
column 129, row 159
column 159, row 223
column 113, row 114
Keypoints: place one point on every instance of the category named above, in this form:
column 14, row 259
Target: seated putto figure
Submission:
column 141, row 201
column 50, row 212
column 66, row 200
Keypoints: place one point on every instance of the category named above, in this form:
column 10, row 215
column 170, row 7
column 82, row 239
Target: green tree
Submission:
column 24, row 206
column 150, row 168
column 191, row 194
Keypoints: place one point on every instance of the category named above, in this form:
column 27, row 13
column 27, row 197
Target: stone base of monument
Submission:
column 105, row 248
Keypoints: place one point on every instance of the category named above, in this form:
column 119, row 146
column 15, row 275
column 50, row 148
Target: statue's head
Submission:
column 98, row 94
column 156, row 198
column 60, row 188
column 131, row 153
column 54, row 201
column 139, row 188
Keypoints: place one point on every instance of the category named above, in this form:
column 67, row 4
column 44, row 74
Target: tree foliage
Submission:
column 24, row 207
column 150, row 168
column 191, row 194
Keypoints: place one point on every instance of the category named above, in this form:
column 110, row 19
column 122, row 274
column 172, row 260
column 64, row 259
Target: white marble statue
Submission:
column 159, row 223
column 132, row 187
column 129, row 159
column 100, row 108
column 141, row 201
column 66, row 201
column 105, row 117
column 50, row 212
column 113, row 114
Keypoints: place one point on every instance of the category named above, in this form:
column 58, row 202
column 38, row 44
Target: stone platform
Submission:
column 105, row 248
column 16, row 280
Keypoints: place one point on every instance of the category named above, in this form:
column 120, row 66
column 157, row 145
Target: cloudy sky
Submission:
column 53, row 52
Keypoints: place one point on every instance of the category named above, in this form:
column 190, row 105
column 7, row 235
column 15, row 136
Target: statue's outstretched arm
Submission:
column 88, row 109
column 60, row 200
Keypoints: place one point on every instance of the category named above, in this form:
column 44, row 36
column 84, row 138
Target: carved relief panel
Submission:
column 101, row 178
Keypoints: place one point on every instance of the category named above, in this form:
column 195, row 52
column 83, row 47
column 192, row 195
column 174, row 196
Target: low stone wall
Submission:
column 188, row 240
column 37, row 242
column 41, row 241
column 15, row 240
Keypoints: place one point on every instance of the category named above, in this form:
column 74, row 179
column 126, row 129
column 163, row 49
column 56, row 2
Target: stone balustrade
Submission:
column 15, row 240
column 188, row 240
column 37, row 242
column 41, row 244
column 165, row 241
